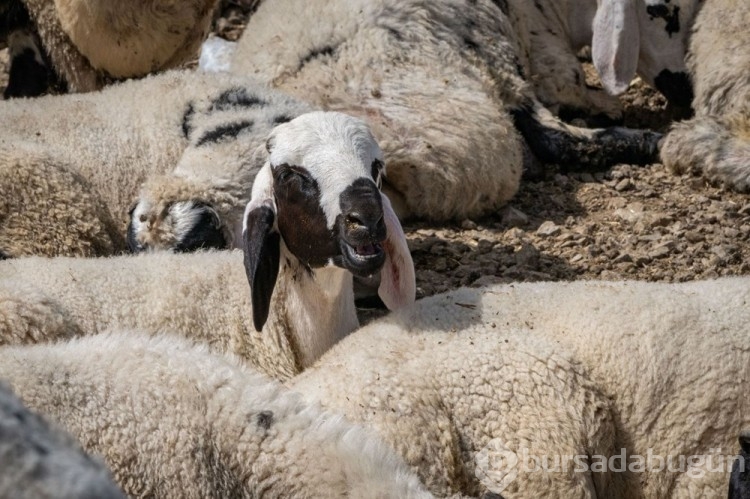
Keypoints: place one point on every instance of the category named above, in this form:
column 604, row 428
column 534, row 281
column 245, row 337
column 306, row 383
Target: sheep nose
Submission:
column 357, row 222
column 362, row 213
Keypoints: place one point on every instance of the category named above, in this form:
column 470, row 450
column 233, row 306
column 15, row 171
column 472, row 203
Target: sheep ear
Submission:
column 398, row 286
column 262, row 249
column 616, row 43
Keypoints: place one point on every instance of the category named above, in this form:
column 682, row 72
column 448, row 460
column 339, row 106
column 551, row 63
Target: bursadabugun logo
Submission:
column 496, row 466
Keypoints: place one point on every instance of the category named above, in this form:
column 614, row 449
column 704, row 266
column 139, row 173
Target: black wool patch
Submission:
column 234, row 98
column 186, row 117
column 315, row 53
column 281, row 118
column 224, row 132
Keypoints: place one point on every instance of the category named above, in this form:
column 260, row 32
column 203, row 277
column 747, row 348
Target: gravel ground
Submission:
column 629, row 223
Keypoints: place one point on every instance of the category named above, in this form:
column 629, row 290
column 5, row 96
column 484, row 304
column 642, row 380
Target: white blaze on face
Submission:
column 336, row 149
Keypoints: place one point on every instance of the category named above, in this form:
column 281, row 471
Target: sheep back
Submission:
column 425, row 76
column 170, row 418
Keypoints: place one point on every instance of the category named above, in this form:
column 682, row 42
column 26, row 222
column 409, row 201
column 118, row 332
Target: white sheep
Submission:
column 553, row 370
column 193, row 136
column 442, row 83
column 715, row 142
column 647, row 37
column 316, row 218
column 171, row 419
column 626, row 37
column 39, row 460
column 91, row 43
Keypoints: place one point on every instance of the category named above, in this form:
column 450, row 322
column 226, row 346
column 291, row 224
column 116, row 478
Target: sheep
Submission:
column 626, row 37
column 92, row 43
column 191, row 137
column 715, row 142
column 316, row 218
column 739, row 481
column 442, row 83
column 647, row 37
column 41, row 461
column 558, row 369
column 171, row 419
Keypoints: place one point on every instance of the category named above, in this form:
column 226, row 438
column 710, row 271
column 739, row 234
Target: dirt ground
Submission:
column 629, row 223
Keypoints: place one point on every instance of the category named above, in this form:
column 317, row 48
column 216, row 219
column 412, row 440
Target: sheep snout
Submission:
column 676, row 87
column 185, row 226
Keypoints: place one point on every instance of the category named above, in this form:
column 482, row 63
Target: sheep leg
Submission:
column 584, row 149
column 717, row 148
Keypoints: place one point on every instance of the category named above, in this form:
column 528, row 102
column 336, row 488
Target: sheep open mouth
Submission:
column 363, row 259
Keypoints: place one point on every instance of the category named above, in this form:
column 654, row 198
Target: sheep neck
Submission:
column 311, row 310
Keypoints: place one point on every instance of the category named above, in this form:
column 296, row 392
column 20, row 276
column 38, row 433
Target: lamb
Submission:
column 171, row 419
column 315, row 219
column 92, row 43
column 715, row 143
column 442, row 83
column 191, row 137
column 41, row 461
column 470, row 376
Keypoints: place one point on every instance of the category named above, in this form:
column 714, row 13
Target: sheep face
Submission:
column 645, row 36
column 324, row 185
column 318, row 195
column 186, row 225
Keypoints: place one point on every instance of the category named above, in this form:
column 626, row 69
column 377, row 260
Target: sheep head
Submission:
column 317, row 198
column 647, row 36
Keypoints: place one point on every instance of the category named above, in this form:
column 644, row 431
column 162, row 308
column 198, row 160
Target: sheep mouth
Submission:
column 362, row 259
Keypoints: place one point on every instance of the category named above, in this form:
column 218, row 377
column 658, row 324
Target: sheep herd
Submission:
column 181, row 250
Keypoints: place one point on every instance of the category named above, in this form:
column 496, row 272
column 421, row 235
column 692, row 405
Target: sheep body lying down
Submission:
column 645, row 367
column 193, row 136
column 315, row 219
column 90, row 43
column 441, row 82
column 172, row 420
column 41, row 461
column 716, row 142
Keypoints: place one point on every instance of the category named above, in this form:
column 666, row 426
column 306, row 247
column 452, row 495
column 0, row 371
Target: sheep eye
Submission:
column 285, row 173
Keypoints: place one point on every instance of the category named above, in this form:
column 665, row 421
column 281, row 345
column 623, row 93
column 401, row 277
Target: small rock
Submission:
column 560, row 179
column 631, row 213
column 618, row 202
column 513, row 218
column 623, row 258
column 527, row 256
column 468, row 225
column 624, row 185
column 731, row 232
column 548, row 228
column 587, row 178
column 659, row 252
column 441, row 264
